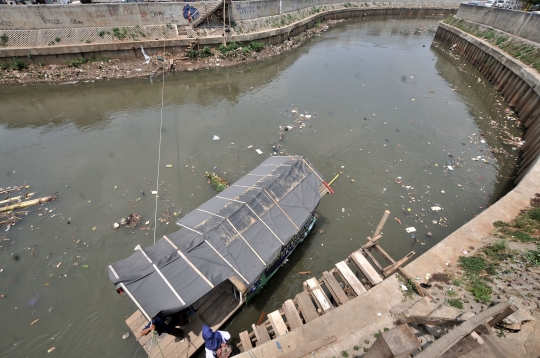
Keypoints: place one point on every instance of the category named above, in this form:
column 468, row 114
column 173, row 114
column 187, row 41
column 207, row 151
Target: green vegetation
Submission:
column 451, row 293
column 77, row 63
column 532, row 257
column 193, row 54
column 480, row 288
column 18, row 64
column 472, row 264
column 409, row 284
column 101, row 33
column 58, row 39
column 217, row 182
column 500, row 223
column 232, row 46
column 377, row 335
column 455, row 302
column 4, row 65
column 4, row 39
column 344, row 354
column 356, row 348
column 205, row 52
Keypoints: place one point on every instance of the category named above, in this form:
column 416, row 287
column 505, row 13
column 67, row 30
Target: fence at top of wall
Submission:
column 35, row 17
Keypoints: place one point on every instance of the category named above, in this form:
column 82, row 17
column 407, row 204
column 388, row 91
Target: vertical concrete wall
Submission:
column 247, row 10
column 519, row 23
column 33, row 17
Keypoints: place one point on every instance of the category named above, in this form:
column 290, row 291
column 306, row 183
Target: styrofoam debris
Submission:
column 410, row 229
column 259, row 151
column 436, row 208
column 215, row 137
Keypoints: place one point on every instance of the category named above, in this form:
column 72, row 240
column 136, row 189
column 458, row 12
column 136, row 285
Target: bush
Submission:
column 257, row 46
column 18, row 64
column 193, row 54
column 4, row 39
column 500, row 223
column 4, row 65
column 230, row 47
column 205, row 52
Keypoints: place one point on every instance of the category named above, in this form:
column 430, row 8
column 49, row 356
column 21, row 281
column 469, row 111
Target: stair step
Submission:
column 246, row 342
column 293, row 318
column 279, row 326
column 261, row 333
column 335, row 288
column 363, row 264
column 320, row 296
column 350, row 278
column 306, row 307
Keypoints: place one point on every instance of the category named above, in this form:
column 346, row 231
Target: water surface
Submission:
column 386, row 108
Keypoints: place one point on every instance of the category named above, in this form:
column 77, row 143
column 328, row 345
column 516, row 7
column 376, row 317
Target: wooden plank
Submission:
column 362, row 263
column 172, row 344
column 350, row 278
column 507, row 312
column 467, row 344
column 384, row 254
column 387, row 271
column 279, row 326
column 261, row 333
column 246, row 342
column 441, row 345
column 293, row 318
column 135, row 320
column 335, row 288
column 320, row 296
column 308, row 348
column 306, row 307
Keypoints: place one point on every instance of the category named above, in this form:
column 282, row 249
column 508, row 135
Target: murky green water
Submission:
column 385, row 104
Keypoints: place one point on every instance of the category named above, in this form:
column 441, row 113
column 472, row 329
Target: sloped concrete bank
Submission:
column 131, row 49
column 519, row 84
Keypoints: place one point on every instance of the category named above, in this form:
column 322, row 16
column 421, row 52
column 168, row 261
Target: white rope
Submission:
column 159, row 147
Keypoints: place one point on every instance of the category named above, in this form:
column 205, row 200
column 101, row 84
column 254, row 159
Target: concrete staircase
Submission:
column 207, row 9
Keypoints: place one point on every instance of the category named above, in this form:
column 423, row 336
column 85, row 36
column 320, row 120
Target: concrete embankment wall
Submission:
column 518, row 83
column 32, row 17
column 131, row 49
column 519, row 23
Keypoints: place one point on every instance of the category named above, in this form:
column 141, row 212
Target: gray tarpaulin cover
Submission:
column 236, row 233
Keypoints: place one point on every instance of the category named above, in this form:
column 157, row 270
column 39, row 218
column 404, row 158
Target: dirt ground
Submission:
column 97, row 69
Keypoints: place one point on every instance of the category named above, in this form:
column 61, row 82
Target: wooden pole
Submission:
column 4, row 191
column 381, row 223
column 224, row 40
column 17, row 198
column 28, row 203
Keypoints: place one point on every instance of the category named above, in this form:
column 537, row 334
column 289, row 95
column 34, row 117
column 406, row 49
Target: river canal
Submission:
column 400, row 118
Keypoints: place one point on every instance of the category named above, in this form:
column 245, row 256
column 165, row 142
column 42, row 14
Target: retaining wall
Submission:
column 519, row 23
column 33, row 17
column 518, row 83
column 131, row 49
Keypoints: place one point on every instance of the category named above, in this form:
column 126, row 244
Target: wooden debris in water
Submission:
column 28, row 203
column 304, row 272
column 217, row 182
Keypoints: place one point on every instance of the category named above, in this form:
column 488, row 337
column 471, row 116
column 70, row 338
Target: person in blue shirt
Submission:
column 213, row 340
column 164, row 325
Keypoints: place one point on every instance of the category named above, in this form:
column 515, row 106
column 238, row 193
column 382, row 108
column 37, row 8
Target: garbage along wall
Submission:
column 519, row 23
column 519, row 84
